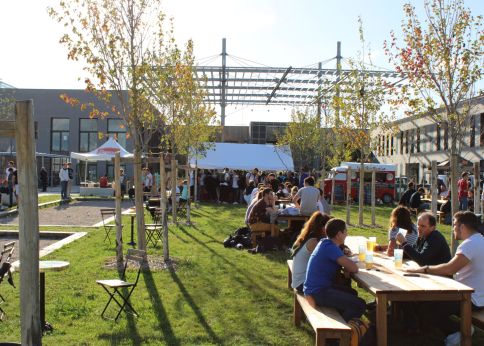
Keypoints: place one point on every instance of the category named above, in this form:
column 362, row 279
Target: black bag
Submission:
column 241, row 236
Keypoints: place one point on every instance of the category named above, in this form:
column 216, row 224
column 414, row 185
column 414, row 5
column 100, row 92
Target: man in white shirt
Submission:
column 467, row 268
column 64, row 180
column 306, row 198
column 11, row 164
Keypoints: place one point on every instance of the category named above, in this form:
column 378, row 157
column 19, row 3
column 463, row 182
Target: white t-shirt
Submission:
column 472, row 274
column 309, row 199
column 235, row 181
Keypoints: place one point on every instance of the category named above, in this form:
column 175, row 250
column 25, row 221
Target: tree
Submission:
column 112, row 37
column 442, row 60
column 179, row 98
column 360, row 105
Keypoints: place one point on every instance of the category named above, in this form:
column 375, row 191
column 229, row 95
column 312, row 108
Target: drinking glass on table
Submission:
column 398, row 257
column 370, row 245
column 369, row 259
column 361, row 252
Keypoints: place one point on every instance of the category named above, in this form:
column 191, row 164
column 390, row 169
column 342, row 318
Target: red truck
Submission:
column 384, row 184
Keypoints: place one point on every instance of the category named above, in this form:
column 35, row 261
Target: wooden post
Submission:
column 433, row 188
column 173, row 190
column 195, row 185
column 373, row 192
column 348, row 195
column 187, row 175
column 332, row 190
column 119, row 226
column 164, row 216
column 477, row 182
column 28, row 225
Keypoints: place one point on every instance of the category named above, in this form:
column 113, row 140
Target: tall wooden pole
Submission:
column 164, row 216
column 348, row 195
column 373, row 197
column 28, row 225
column 434, row 188
column 173, row 190
column 477, row 182
column 119, row 226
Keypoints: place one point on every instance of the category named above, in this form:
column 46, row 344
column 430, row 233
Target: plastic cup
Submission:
column 370, row 244
column 361, row 252
column 398, row 257
column 369, row 259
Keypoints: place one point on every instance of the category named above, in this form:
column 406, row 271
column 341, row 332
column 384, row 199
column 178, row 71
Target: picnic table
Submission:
column 387, row 283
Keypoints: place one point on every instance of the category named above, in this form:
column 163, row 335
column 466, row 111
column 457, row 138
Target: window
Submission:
column 406, row 142
column 87, row 135
column 412, row 139
column 418, row 139
column 401, row 142
column 117, row 129
column 392, row 151
column 437, row 138
column 59, row 138
column 472, row 142
column 481, row 141
column 445, row 125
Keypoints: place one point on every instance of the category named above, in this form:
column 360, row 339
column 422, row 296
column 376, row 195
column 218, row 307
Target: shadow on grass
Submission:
column 159, row 309
column 241, row 271
column 195, row 307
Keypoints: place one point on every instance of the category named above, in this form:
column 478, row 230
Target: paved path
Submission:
column 76, row 213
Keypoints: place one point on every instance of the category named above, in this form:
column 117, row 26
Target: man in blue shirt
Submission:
column 324, row 264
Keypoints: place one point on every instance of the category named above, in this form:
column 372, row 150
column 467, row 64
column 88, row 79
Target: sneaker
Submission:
column 235, row 203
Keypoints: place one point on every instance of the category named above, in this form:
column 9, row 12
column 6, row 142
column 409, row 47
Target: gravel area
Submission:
column 81, row 213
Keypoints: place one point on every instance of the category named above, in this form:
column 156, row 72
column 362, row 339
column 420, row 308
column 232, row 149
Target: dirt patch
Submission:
column 154, row 263
column 75, row 213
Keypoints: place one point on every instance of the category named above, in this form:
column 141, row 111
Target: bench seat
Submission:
column 327, row 323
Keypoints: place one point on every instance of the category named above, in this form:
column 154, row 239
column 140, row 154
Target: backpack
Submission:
column 241, row 236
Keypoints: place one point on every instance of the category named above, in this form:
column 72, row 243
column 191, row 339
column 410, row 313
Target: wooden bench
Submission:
column 326, row 322
column 478, row 319
column 441, row 216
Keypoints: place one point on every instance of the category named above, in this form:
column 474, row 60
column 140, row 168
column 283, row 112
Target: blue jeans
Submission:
column 342, row 299
column 64, row 189
column 463, row 203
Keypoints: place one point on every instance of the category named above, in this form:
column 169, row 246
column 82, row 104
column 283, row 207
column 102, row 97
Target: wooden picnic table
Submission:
column 387, row 283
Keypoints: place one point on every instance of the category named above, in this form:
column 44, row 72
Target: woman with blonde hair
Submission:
column 304, row 245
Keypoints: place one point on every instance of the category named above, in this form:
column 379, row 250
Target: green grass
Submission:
column 215, row 296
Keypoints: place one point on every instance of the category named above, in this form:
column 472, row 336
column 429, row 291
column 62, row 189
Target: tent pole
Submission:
column 85, row 173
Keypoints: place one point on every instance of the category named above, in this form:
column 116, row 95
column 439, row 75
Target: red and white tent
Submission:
column 104, row 153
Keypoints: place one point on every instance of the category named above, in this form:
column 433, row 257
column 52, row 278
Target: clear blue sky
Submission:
column 276, row 33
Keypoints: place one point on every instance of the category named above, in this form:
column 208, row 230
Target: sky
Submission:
column 276, row 33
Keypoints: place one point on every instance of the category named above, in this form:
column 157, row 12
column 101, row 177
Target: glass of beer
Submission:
column 370, row 244
column 398, row 257
column 369, row 259
column 361, row 252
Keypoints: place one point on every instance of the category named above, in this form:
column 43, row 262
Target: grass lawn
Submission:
column 215, row 296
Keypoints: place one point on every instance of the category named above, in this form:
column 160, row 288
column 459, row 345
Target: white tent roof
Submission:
column 104, row 153
column 265, row 157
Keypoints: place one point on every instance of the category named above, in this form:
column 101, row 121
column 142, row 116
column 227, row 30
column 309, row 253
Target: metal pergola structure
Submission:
column 284, row 86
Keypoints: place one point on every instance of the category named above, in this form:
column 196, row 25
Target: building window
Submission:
column 117, row 129
column 437, row 139
column 406, row 142
column 401, row 142
column 481, row 141
column 472, row 142
column 418, row 139
column 392, row 146
column 412, row 139
column 36, row 130
column 87, row 135
column 59, row 137
column 445, row 125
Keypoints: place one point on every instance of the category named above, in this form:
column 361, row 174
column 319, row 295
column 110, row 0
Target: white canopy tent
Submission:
column 105, row 152
column 265, row 157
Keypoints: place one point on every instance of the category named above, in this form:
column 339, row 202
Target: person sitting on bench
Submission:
column 304, row 245
column 263, row 208
column 324, row 264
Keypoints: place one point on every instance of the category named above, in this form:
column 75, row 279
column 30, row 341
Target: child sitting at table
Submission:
column 401, row 221
column 304, row 245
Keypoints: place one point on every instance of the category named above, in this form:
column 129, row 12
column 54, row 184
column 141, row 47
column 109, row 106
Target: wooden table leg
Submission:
column 466, row 319
column 381, row 319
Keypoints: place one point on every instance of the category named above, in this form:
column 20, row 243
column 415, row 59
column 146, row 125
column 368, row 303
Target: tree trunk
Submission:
column 173, row 189
column 361, row 193
column 138, row 187
column 373, row 197
column 187, row 174
column 477, row 183
column 164, row 216
column 433, row 188
column 119, row 226
column 453, row 191
column 348, row 195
